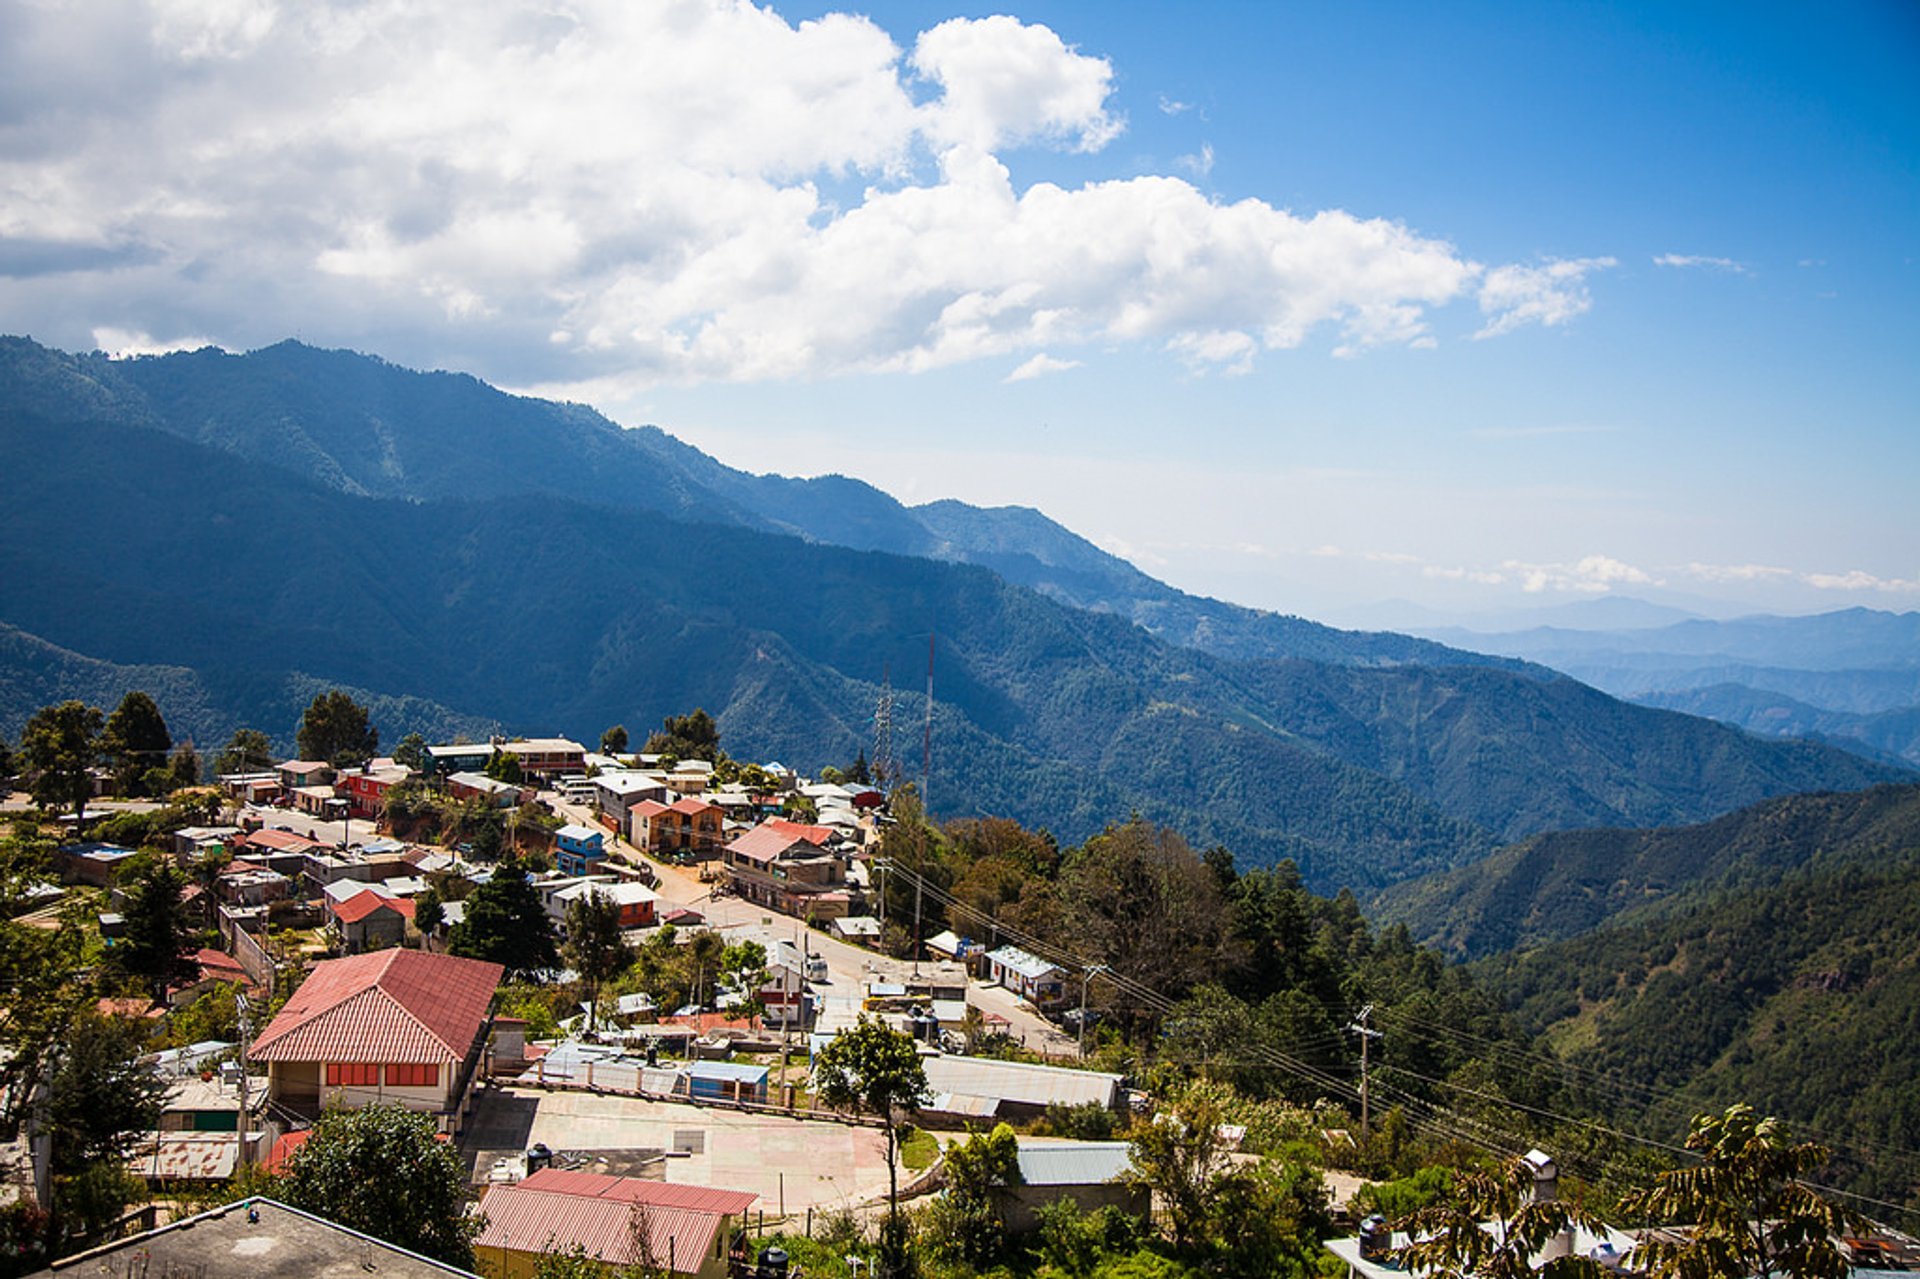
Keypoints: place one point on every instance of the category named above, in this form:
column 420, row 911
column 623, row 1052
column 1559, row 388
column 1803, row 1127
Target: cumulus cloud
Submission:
column 607, row 195
column 1694, row 260
column 122, row 345
column 1039, row 366
column 1549, row 294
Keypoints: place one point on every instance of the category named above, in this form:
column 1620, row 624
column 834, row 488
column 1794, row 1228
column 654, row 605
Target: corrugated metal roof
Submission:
column 661, row 1194
column 1029, row 966
column 1019, row 1081
column 1075, row 1163
column 734, row 1070
column 391, row 1005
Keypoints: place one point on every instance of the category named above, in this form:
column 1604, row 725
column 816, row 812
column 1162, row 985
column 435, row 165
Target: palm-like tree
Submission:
column 1493, row 1226
column 1744, row 1209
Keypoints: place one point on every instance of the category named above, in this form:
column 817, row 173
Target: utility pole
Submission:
column 1359, row 1026
column 246, row 1036
column 1085, row 975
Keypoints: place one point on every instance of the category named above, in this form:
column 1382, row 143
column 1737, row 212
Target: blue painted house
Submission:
column 726, row 1081
column 578, row 850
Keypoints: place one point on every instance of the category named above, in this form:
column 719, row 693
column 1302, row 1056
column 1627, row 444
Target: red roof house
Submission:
column 690, row 1230
column 399, row 1026
column 370, row 919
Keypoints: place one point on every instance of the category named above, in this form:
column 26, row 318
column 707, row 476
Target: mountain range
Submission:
column 1771, row 956
column 1850, row 677
column 250, row 527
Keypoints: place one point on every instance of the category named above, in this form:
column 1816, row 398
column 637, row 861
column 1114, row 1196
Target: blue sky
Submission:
column 1307, row 305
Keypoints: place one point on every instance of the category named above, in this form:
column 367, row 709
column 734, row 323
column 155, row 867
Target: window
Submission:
column 413, row 1076
column 352, row 1074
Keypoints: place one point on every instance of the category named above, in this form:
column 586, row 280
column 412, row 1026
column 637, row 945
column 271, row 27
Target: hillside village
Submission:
column 363, row 963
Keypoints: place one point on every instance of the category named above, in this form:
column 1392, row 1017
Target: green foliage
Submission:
column 1405, row 1196
column 382, row 1170
column 247, row 751
column 335, row 728
column 595, row 948
column 135, row 741
column 61, row 743
column 1449, row 1242
column 1089, row 1121
column 411, row 752
column 504, row 766
column 694, row 736
column 429, row 913
column 1077, row 1245
column 876, row 1069
column 967, row 1223
column 541, row 1007
column 102, row 1098
column 614, row 740
column 505, row 924
column 159, row 938
column 1751, row 1210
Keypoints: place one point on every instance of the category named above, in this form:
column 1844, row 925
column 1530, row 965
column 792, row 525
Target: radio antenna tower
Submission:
column 883, row 770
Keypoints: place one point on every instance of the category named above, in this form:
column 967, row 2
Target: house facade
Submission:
column 689, row 1230
column 394, row 1026
column 578, row 850
column 787, row 866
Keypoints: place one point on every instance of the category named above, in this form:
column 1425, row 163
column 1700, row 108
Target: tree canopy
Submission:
column 61, row 743
column 384, row 1171
column 505, row 924
column 335, row 729
column 136, row 742
column 614, row 740
column 595, row 947
column 694, row 736
column 1751, row 1211
column 875, row 1068
column 247, row 751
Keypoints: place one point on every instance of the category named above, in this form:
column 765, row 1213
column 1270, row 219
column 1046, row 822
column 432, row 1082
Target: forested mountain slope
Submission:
column 1801, row 999
column 358, row 424
column 1567, row 883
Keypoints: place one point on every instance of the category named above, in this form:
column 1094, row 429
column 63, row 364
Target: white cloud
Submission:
column 1594, row 574
column 1692, row 260
column 1736, row 572
column 1221, row 350
column 122, row 345
column 1200, row 164
column 1172, row 106
column 1550, row 294
column 1039, row 366
column 606, row 195
column 1005, row 81
column 1858, row 580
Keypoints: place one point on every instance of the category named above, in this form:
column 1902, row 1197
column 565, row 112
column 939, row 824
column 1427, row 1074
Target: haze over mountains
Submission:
column 1851, row 676
column 262, row 524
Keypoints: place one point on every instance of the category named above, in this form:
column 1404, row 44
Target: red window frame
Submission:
column 353, row 1074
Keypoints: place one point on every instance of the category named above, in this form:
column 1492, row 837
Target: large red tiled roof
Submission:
column 365, row 902
column 692, row 807
column 770, row 839
column 552, row 1210
column 650, row 808
column 391, row 1005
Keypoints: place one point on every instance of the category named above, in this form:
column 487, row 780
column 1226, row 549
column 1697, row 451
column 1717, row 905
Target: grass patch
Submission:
column 918, row 1149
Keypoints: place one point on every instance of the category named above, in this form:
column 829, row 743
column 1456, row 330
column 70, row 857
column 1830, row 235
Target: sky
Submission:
column 1312, row 306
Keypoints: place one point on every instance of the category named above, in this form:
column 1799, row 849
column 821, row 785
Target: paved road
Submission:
column 847, row 965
